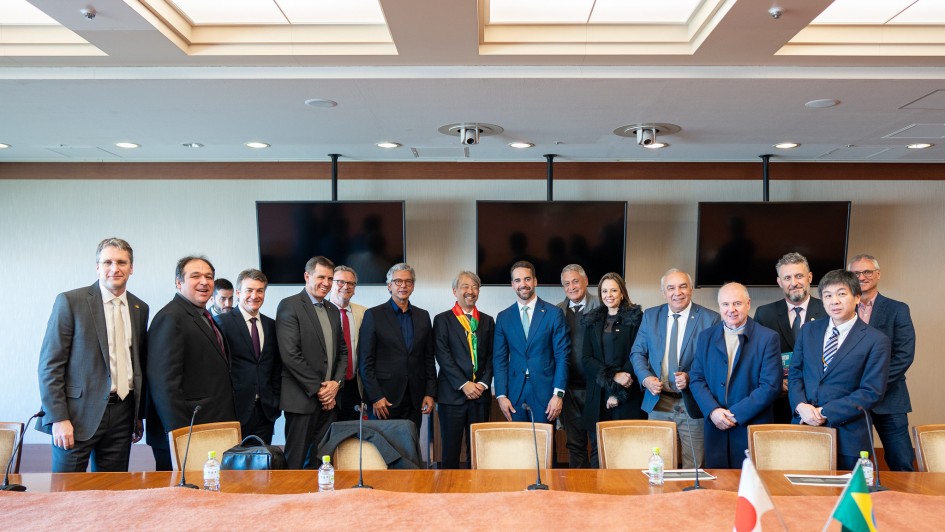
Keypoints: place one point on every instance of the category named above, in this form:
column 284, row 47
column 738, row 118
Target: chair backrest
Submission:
column 930, row 447
column 346, row 456
column 9, row 436
column 629, row 443
column 793, row 447
column 510, row 445
column 207, row 437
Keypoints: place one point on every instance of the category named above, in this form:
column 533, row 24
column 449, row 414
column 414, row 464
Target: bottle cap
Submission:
column 656, row 450
column 211, row 455
column 864, row 454
column 326, row 459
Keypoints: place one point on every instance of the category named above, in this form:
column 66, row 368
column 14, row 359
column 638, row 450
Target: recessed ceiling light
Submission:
column 786, row 145
column 655, row 145
column 822, row 104
column 192, row 145
column 4, row 146
column 388, row 145
column 127, row 145
column 256, row 145
column 920, row 146
column 321, row 103
column 521, row 145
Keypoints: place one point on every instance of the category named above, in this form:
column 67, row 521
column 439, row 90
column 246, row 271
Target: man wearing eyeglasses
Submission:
column 352, row 314
column 395, row 353
column 892, row 318
column 90, row 368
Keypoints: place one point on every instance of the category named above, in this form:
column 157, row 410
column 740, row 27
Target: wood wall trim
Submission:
column 471, row 170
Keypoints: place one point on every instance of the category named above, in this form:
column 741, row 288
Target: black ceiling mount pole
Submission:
column 764, row 176
column 550, row 157
column 334, row 176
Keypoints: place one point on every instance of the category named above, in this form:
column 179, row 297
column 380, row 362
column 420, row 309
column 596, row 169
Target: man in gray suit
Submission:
column 662, row 355
column 314, row 361
column 576, row 304
column 90, row 368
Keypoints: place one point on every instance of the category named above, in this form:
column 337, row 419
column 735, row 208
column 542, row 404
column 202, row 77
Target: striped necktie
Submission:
column 830, row 348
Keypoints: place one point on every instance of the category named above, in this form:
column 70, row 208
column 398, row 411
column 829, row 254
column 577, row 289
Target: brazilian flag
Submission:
column 854, row 510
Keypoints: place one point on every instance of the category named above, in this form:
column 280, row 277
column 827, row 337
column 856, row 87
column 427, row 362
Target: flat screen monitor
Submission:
column 742, row 241
column 366, row 235
column 551, row 235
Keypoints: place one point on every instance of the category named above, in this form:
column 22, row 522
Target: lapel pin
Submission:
column 137, row 306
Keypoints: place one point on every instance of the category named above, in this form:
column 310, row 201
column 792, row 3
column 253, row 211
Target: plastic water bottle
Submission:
column 656, row 468
column 326, row 475
column 211, row 472
column 867, row 466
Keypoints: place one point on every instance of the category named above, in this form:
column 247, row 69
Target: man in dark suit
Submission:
column 91, row 368
column 255, row 366
column 188, row 362
column 463, row 338
column 839, row 369
column 577, row 303
column 892, row 318
column 787, row 316
column 395, row 352
column 662, row 366
column 736, row 376
column 531, row 351
column 314, row 358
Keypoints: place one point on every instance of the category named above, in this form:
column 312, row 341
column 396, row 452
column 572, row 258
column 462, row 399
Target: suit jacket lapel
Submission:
column 661, row 338
column 97, row 309
column 236, row 316
column 879, row 310
column 688, row 333
column 536, row 319
column 785, row 320
column 853, row 337
column 309, row 309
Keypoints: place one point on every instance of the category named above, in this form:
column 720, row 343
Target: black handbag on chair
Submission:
column 247, row 457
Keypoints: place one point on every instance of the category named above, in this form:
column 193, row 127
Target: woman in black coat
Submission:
column 609, row 333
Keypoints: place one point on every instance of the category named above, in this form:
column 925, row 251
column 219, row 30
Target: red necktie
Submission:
column 346, row 329
column 257, row 348
column 213, row 327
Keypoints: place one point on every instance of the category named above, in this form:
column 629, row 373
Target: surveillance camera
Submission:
column 775, row 12
column 469, row 135
column 646, row 136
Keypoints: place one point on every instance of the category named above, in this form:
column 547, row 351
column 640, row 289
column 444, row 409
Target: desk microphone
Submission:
column 183, row 468
column 537, row 485
column 869, row 426
column 16, row 450
column 692, row 448
column 360, row 410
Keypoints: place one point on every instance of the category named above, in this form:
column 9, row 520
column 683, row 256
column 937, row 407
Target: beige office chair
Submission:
column 9, row 436
column 346, row 456
column 930, row 448
column 207, row 437
column 793, row 447
column 629, row 443
column 510, row 445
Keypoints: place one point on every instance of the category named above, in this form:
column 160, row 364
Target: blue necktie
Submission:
column 830, row 348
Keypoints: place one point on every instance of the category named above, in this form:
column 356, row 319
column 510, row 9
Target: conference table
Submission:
column 446, row 499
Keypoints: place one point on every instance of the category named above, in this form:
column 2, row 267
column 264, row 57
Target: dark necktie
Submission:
column 577, row 308
column 254, row 334
column 672, row 365
column 209, row 318
column 346, row 330
column 796, row 324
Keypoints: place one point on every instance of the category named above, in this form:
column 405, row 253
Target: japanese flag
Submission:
column 753, row 500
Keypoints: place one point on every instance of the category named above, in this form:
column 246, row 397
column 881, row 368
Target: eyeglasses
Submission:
column 119, row 263
column 403, row 282
column 865, row 273
column 342, row 284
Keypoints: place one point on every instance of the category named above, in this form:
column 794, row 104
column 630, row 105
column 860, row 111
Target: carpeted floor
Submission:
column 183, row 509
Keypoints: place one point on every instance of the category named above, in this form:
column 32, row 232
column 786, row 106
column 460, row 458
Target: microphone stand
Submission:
column 16, row 450
column 537, row 485
column 183, row 468
column 877, row 486
column 360, row 409
column 692, row 448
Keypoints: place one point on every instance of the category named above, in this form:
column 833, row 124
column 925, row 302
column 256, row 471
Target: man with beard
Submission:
column 787, row 316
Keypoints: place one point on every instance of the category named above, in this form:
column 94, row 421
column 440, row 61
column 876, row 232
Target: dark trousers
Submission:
column 847, row 462
column 348, row 397
column 893, row 430
column 402, row 410
column 303, row 432
column 109, row 447
column 162, row 459
column 454, row 427
column 577, row 436
column 259, row 425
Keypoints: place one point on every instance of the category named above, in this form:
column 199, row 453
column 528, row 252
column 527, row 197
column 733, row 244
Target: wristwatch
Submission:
column 560, row 394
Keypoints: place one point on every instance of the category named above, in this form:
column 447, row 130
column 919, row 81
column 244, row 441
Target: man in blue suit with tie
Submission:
column 532, row 345
column 839, row 368
column 736, row 376
column 662, row 355
column 892, row 318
